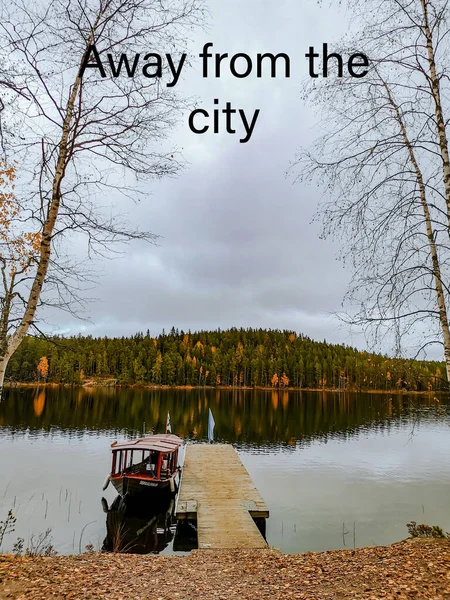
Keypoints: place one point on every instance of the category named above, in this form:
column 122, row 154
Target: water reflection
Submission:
column 318, row 459
column 138, row 527
column 186, row 536
column 247, row 418
column 39, row 402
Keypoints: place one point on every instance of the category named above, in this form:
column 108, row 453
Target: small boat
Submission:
column 147, row 464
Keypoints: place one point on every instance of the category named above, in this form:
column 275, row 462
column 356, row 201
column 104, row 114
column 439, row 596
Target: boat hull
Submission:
column 134, row 486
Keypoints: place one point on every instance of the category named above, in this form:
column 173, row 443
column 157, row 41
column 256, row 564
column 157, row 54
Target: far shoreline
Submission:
column 112, row 384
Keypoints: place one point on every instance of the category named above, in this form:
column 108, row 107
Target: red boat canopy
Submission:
column 164, row 442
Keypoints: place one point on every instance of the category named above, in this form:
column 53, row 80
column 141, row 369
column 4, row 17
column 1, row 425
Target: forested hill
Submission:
column 237, row 357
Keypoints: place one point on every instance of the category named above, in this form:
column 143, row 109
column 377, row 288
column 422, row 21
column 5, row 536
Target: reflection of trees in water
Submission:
column 138, row 527
column 39, row 402
column 251, row 418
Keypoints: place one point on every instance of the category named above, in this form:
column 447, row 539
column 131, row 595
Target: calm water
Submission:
column 329, row 466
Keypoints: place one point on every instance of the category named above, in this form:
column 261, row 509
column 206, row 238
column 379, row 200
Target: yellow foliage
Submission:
column 284, row 382
column 42, row 367
column 19, row 248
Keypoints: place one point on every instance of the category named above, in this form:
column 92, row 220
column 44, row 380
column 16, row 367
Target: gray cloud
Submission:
column 237, row 246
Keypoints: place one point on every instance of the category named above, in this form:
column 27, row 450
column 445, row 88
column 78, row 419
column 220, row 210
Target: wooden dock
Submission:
column 217, row 492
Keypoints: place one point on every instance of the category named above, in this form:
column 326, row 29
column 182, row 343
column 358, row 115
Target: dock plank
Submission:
column 217, row 490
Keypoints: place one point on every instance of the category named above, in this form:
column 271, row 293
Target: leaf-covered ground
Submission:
column 410, row 569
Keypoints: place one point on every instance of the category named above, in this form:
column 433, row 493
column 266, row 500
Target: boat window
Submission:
column 144, row 462
column 128, row 460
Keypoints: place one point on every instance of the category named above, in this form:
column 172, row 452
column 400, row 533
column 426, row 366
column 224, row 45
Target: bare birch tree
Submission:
column 70, row 139
column 383, row 164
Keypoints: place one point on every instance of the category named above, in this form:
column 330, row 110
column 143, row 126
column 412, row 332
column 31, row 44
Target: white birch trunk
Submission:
column 442, row 308
column 440, row 122
column 3, row 365
column 10, row 344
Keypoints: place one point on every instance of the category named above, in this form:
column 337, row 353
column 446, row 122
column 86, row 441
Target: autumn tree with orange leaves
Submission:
column 18, row 248
column 78, row 139
column 284, row 381
column 19, row 251
column 42, row 368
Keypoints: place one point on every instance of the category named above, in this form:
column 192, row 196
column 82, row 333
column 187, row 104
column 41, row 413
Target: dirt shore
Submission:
column 414, row 568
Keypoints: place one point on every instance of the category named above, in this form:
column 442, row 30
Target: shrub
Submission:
column 7, row 526
column 423, row 530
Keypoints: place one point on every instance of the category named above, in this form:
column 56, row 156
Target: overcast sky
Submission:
column 237, row 246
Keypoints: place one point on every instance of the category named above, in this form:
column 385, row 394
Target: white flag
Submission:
column 211, row 424
column 168, row 425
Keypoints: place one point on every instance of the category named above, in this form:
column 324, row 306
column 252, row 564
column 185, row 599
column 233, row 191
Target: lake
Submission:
column 336, row 470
